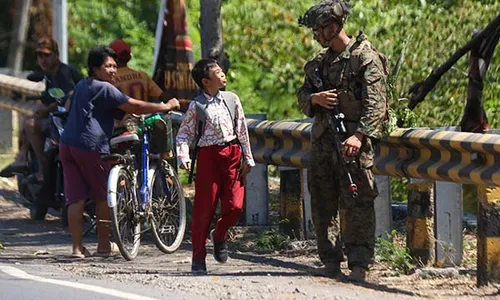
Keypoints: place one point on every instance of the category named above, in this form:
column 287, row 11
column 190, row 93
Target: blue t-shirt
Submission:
column 94, row 107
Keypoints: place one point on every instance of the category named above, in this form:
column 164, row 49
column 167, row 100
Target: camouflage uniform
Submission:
column 358, row 74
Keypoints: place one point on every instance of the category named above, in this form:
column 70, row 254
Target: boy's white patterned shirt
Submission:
column 219, row 128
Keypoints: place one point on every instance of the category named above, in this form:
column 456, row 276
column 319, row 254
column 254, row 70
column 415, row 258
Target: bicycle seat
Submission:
column 130, row 137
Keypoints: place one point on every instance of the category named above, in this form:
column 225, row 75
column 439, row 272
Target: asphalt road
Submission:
column 47, row 282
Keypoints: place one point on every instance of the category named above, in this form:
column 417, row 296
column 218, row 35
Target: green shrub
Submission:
column 270, row 240
column 392, row 255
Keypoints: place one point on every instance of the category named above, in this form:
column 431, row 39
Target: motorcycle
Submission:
column 50, row 192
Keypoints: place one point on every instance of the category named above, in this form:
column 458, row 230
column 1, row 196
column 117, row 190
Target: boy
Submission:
column 216, row 122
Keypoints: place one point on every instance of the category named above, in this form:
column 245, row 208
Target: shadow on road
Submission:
column 303, row 270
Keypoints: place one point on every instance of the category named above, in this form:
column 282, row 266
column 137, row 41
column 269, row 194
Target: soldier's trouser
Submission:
column 328, row 186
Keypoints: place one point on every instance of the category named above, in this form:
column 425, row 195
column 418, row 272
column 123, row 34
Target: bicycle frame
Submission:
column 146, row 169
column 144, row 190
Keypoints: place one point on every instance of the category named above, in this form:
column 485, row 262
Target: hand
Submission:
column 352, row 144
column 244, row 170
column 186, row 166
column 327, row 99
column 173, row 104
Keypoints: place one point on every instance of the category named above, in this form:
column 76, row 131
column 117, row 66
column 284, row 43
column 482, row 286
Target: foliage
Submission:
column 268, row 50
column 93, row 23
column 395, row 257
column 270, row 240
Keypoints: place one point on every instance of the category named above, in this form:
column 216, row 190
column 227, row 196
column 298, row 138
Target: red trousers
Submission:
column 216, row 178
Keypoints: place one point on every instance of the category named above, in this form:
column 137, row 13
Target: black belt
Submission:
column 225, row 144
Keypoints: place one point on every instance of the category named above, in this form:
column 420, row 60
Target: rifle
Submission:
column 336, row 123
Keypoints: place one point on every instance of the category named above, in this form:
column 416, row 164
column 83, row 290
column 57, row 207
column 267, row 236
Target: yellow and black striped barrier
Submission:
column 416, row 153
column 441, row 155
column 280, row 143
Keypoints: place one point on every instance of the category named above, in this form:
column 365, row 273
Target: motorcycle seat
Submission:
column 124, row 138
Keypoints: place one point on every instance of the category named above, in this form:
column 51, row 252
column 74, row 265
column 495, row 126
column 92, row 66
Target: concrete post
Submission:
column 256, row 196
column 257, row 190
column 448, row 220
column 308, row 221
column 383, row 209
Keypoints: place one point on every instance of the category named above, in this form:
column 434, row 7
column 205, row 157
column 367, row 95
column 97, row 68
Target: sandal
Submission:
column 86, row 253
column 114, row 250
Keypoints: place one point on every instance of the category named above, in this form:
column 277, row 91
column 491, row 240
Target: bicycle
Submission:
column 144, row 187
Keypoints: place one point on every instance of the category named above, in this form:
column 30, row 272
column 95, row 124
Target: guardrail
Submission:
column 419, row 153
column 18, row 88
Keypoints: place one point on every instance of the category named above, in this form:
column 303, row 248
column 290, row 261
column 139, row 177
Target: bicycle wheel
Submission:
column 125, row 217
column 168, row 209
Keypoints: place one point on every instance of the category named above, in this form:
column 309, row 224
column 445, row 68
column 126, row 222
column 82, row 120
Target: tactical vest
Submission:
column 343, row 76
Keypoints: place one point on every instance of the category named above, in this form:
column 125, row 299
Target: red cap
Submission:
column 46, row 45
column 122, row 49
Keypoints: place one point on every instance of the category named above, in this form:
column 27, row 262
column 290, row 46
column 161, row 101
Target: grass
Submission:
column 392, row 255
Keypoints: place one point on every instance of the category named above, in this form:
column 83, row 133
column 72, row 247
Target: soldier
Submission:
column 349, row 73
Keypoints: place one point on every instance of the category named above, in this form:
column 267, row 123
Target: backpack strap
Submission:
column 201, row 115
column 229, row 100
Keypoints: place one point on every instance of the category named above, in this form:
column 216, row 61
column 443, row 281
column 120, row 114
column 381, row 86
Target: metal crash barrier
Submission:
column 18, row 89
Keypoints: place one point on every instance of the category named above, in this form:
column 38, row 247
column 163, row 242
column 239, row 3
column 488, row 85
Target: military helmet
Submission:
column 326, row 13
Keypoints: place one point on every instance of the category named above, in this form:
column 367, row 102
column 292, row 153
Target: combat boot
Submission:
column 358, row 274
column 330, row 270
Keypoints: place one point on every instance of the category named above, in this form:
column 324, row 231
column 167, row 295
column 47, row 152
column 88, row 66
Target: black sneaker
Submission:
column 198, row 267
column 220, row 249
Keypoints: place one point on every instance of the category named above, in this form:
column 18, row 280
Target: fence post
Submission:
column 488, row 243
column 257, row 190
column 256, row 196
column 291, row 205
column 308, row 222
column 448, row 219
column 419, row 223
column 383, row 209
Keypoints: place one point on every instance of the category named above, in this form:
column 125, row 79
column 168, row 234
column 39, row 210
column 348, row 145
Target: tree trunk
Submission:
column 18, row 41
column 211, row 32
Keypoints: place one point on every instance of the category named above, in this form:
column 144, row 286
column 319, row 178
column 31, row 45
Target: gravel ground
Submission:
column 247, row 275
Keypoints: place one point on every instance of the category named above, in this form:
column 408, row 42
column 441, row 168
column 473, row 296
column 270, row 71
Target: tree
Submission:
column 211, row 32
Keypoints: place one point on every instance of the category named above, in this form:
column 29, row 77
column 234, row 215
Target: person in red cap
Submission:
column 139, row 85
column 33, row 131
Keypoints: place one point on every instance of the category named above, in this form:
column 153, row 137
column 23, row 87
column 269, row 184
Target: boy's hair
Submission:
column 202, row 69
column 97, row 56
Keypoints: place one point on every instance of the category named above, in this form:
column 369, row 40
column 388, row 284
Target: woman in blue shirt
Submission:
column 93, row 107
